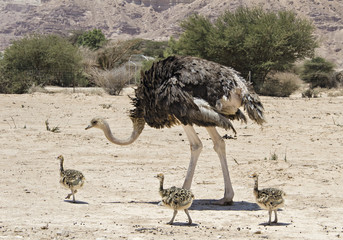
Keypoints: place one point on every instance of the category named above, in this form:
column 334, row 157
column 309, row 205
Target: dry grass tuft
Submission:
column 280, row 84
column 112, row 81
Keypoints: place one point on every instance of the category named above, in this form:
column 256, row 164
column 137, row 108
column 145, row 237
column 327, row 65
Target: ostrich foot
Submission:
column 170, row 222
column 68, row 196
column 222, row 202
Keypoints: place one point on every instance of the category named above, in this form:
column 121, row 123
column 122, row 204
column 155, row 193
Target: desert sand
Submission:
column 298, row 150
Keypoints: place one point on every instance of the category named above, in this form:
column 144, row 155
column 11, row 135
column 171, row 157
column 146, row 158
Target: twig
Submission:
column 334, row 123
column 54, row 129
column 235, row 161
column 285, row 155
column 47, row 125
column 15, row 126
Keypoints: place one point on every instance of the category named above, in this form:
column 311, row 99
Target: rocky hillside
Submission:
column 156, row 19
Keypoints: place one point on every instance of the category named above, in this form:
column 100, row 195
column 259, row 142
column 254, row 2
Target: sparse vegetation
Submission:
column 152, row 48
column 273, row 156
column 39, row 60
column 113, row 81
column 319, row 73
column 311, row 93
column 280, row 84
column 93, row 39
column 54, row 129
column 115, row 53
column 249, row 40
column 336, row 93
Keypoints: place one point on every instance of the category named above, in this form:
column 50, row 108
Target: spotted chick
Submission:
column 176, row 199
column 70, row 179
column 270, row 199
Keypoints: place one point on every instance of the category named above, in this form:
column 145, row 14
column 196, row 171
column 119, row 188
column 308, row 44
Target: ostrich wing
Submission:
column 186, row 90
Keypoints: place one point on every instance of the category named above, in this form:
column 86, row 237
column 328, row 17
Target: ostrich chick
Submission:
column 270, row 199
column 71, row 179
column 176, row 198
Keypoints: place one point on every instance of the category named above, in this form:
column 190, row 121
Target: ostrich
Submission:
column 191, row 91
column 270, row 199
column 70, row 179
column 176, row 199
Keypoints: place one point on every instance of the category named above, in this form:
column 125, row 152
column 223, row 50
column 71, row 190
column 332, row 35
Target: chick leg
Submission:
column 275, row 220
column 172, row 220
column 270, row 216
column 68, row 196
column 189, row 217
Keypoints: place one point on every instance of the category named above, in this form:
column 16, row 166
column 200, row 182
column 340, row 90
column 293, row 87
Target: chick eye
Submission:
column 94, row 122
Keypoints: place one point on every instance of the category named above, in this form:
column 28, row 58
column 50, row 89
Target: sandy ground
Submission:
column 120, row 197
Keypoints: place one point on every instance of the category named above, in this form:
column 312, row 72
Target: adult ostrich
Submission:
column 191, row 91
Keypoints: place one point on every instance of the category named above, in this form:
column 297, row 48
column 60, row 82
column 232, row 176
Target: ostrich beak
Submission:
column 89, row 126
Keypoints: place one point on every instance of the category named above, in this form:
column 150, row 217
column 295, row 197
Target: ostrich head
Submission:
column 60, row 157
column 160, row 176
column 254, row 176
column 97, row 123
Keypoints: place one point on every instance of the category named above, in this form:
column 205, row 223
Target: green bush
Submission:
column 74, row 35
column 280, row 84
column 249, row 40
column 39, row 60
column 319, row 73
column 93, row 39
column 152, row 48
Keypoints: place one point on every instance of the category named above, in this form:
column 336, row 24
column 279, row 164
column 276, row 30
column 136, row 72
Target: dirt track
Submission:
column 119, row 200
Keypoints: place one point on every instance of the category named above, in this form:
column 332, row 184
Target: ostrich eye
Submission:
column 94, row 122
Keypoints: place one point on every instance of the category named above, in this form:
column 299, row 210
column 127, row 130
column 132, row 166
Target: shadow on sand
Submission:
column 205, row 205
column 76, row 202
column 274, row 224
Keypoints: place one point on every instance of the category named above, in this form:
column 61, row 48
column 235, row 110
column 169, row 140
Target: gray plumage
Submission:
column 270, row 199
column 169, row 91
column 70, row 179
column 175, row 198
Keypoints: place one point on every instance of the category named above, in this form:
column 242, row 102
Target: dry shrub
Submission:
column 89, row 61
column 338, row 76
column 34, row 89
column 280, row 84
column 311, row 93
column 337, row 92
column 113, row 81
column 116, row 53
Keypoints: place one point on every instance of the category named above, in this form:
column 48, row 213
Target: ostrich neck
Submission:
column 256, row 184
column 61, row 166
column 256, row 188
column 161, row 185
column 138, row 126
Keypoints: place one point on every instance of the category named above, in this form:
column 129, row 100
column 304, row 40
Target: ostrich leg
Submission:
column 196, row 147
column 219, row 147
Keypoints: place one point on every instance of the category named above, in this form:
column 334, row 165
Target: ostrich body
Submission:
column 70, row 179
column 270, row 199
column 176, row 198
column 191, row 91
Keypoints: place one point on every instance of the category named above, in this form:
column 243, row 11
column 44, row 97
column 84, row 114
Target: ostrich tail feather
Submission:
column 254, row 107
